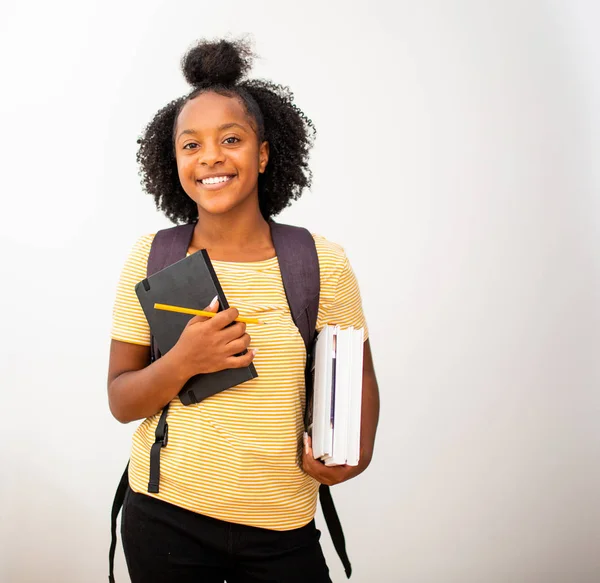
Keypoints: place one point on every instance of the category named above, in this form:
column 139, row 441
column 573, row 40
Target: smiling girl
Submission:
column 235, row 502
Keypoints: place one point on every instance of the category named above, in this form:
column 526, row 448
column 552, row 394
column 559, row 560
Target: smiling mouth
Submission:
column 215, row 180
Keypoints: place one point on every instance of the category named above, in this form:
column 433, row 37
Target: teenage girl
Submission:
column 237, row 498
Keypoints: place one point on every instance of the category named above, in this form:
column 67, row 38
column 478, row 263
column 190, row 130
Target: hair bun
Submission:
column 219, row 62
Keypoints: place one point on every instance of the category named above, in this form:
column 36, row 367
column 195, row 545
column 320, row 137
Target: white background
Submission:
column 457, row 163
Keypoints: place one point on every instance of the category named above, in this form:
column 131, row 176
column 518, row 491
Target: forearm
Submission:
column 138, row 394
column 370, row 410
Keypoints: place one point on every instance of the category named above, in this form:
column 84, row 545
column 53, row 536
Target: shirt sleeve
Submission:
column 129, row 322
column 340, row 302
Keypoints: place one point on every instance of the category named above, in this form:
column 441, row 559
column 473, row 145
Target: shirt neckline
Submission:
column 261, row 263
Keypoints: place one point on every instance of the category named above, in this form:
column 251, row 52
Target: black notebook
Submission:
column 189, row 283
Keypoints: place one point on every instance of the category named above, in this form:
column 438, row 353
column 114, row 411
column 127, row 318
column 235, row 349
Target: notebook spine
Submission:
column 223, row 304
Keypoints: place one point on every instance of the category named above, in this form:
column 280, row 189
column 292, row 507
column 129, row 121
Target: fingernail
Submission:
column 214, row 301
column 255, row 350
column 305, row 442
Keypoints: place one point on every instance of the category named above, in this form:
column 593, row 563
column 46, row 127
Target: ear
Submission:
column 263, row 157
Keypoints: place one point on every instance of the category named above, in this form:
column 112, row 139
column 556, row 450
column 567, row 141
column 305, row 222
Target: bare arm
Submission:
column 368, row 427
column 138, row 389
column 370, row 409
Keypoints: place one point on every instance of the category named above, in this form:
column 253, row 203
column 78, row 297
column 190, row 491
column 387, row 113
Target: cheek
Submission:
column 185, row 166
column 250, row 162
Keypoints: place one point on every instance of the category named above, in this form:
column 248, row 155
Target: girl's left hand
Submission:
column 328, row 475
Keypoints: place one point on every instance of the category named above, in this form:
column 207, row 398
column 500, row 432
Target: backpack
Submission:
column 299, row 266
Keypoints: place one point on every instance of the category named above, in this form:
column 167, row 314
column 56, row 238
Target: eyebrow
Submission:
column 222, row 127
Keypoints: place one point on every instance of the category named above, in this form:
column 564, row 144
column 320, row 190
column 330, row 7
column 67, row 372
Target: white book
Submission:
column 342, row 396
column 328, row 418
column 355, row 398
column 321, row 430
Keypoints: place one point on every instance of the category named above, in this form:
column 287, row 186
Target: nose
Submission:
column 211, row 154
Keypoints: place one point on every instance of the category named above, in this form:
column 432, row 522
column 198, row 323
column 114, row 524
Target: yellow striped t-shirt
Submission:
column 236, row 455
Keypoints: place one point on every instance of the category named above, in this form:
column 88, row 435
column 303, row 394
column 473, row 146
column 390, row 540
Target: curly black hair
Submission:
column 219, row 66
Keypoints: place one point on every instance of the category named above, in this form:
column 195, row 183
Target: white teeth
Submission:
column 216, row 180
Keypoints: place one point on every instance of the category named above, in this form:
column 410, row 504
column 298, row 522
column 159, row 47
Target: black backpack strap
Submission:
column 116, row 508
column 299, row 266
column 161, row 435
column 335, row 527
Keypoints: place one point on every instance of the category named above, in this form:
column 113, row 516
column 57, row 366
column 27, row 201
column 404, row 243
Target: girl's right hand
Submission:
column 210, row 344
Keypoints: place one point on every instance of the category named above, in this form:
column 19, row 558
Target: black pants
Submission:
column 167, row 544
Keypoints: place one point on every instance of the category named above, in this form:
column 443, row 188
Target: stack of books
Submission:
column 333, row 413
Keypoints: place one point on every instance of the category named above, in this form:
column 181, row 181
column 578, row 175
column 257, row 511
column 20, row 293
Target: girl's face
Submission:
column 218, row 154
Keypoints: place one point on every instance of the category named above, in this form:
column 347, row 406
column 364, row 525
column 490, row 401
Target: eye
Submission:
column 226, row 140
column 190, row 146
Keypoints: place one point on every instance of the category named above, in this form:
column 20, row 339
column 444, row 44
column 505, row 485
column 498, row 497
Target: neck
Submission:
column 234, row 230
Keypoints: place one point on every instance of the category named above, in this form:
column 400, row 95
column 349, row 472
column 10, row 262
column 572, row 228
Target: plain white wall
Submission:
column 456, row 161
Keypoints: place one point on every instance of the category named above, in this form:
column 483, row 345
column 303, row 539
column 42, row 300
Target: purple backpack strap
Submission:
column 299, row 266
column 168, row 247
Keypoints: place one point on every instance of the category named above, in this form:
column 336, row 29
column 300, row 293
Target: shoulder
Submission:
column 332, row 258
column 328, row 249
column 141, row 247
column 138, row 254
column 339, row 298
column 330, row 254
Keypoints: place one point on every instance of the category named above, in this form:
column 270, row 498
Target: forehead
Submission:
column 211, row 110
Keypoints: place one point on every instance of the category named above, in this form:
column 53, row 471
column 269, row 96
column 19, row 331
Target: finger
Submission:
column 196, row 320
column 233, row 332
column 328, row 475
column 316, row 464
column 212, row 307
column 224, row 318
column 307, row 443
column 317, row 469
column 307, row 451
column 237, row 346
column 310, row 465
column 241, row 361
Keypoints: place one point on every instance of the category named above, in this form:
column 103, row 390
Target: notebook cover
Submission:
column 191, row 283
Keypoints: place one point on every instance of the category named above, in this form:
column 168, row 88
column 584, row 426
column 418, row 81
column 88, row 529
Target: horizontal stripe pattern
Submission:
column 236, row 455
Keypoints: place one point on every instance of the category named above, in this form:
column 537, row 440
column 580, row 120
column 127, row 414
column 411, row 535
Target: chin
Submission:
column 220, row 205
column 216, row 210
column 216, row 207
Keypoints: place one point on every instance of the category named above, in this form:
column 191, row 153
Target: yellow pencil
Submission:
column 168, row 308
